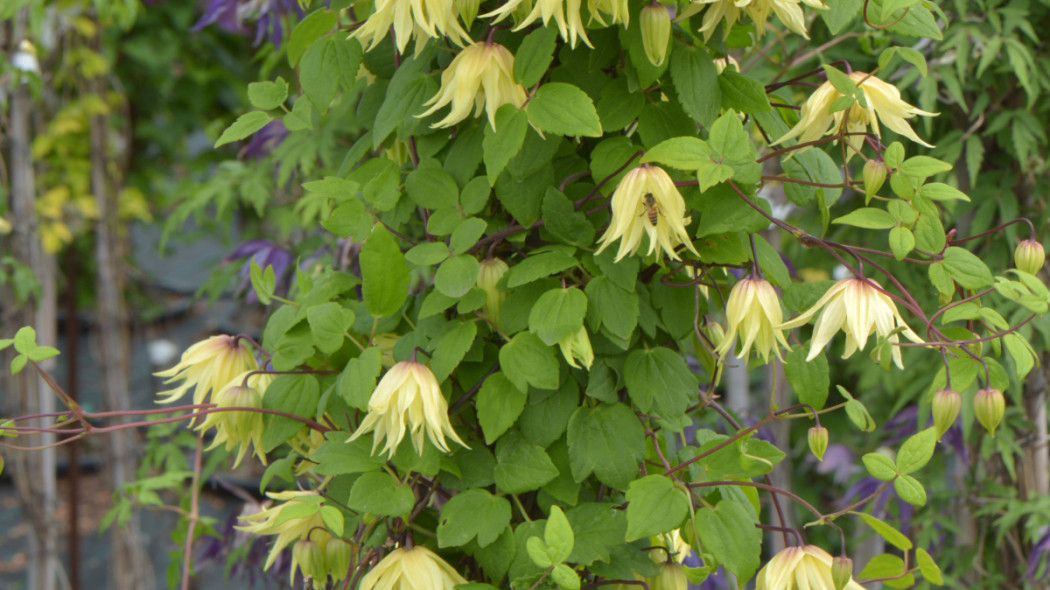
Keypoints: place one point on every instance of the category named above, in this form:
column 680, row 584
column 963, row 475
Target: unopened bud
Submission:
column 489, row 273
column 841, row 571
column 337, row 556
column 240, row 425
column 946, row 404
column 818, row 441
column 1029, row 256
column 989, row 407
column 468, row 11
column 874, row 174
column 310, row 558
column 656, row 32
column 671, row 577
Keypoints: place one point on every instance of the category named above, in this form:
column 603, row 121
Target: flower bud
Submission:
column 818, row 441
column 874, row 174
column 1029, row 256
column 577, row 347
column 337, row 556
column 841, row 571
column 489, row 273
column 310, row 558
column 671, row 577
column 989, row 407
column 946, row 404
column 656, row 33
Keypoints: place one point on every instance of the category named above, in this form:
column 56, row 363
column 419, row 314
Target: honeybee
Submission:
column 651, row 208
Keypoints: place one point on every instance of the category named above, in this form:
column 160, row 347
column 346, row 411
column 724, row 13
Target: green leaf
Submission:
column 432, row 188
column 470, row 514
column 810, row 379
column 358, row 379
column 564, row 109
column 307, row 31
column 558, row 536
column 598, row 527
column 565, row 577
column 499, row 404
column 886, row 531
column 526, row 360
column 427, row 253
column 557, row 314
column 607, row 440
column 887, row 566
column 245, row 125
column 337, row 457
column 405, row 95
column 520, row 465
column 384, row 273
column 867, row 218
column 938, row 191
column 879, row 466
column 292, row 394
column 966, row 268
column 742, row 93
column 268, row 95
column 1022, row 353
column 537, row 550
column 907, row 53
column 910, row 490
column 728, row 531
column 466, row 234
column 917, row 450
column 902, row 241
column 857, row 413
column 380, row 493
column 504, row 142
column 812, row 166
column 841, row 14
column 534, row 56
column 928, row 567
column 654, row 505
column 457, row 275
column 660, row 376
column 611, row 307
column 541, row 263
column 564, row 221
column 685, row 153
column 691, row 72
column 450, row 347
column 923, row 166
column 316, row 67
column 328, row 324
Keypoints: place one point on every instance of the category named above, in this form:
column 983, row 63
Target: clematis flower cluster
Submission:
column 788, row 11
column 408, row 399
column 883, row 103
column 419, row 19
column 646, row 202
column 858, row 307
column 801, row 568
column 207, row 367
column 480, row 76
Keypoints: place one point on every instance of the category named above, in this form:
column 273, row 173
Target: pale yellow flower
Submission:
column 647, row 202
column 858, row 307
column 480, row 76
column 721, row 63
column 789, row 12
column 677, row 549
column 240, row 428
column 415, row 568
column 287, row 527
column 618, row 11
column 490, row 271
column 407, row 399
column 884, row 104
column 207, row 367
column 800, row 568
column 566, row 14
column 577, row 347
column 422, row 19
column 753, row 310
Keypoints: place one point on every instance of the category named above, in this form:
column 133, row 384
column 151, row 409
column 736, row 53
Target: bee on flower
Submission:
column 207, row 367
column 240, row 428
column 422, row 19
column 858, row 307
column 566, row 14
column 882, row 103
column 411, row 568
column 646, row 202
column 481, row 76
column 801, row 568
column 753, row 311
column 407, row 399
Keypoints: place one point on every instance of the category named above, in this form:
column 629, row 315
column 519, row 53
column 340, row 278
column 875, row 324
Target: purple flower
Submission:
column 264, row 253
column 268, row 15
column 1039, row 556
column 264, row 140
column 838, row 461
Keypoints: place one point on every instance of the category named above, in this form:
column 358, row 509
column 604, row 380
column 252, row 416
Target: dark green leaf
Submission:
column 384, row 273
column 655, row 505
column 607, row 440
column 564, row 109
column 470, row 514
column 380, row 493
column 499, row 404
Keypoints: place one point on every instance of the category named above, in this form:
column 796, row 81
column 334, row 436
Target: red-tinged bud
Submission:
column 874, row 175
column 946, row 404
column 818, row 441
column 1029, row 256
column 841, row 571
column 989, row 407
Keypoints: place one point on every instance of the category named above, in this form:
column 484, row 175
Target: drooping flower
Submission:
column 753, row 310
column 240, row 428
column 789, row 12
column 858, row 307
column 618, row 11
column 647, row 202
column 407, row 399
column 415, row 568
column 480, row 76
column 884, row 104
column 422, row 19
column 288, row 526
column 577, row 347
column 566, row 14
column 800, row 568
column 207, row 367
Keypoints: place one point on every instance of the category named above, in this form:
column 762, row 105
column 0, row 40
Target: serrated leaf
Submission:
column 384, row 274
column 558, row 313
column 564, row 109
column 380, row 493
column 728, row 531
column 499, row 404
column 691, row 72
column 654, row 505
column 472, row 514
column 534, row 56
